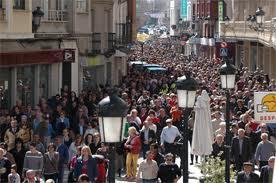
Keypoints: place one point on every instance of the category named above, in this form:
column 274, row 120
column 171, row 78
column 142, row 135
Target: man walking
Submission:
column 168, row 136
column 240, row 149
column 63, row 157
column 264, row 151
column 148, row 168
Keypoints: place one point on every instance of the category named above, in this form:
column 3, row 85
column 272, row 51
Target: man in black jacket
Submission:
column 158, row 157
column 169, row 172
column 267, row 171
column 148, row 137
column 241, row 149
column 218, row 147
column 247, row 175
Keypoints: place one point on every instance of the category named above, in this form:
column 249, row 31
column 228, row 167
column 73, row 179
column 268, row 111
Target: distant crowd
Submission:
column 39, row 143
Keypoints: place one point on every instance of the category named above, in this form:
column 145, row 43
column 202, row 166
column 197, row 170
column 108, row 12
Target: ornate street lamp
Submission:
column 112, row 113
column 260, row 16
column 227, row 75
column 186, row 94
column 226, row 20
column 37, row 14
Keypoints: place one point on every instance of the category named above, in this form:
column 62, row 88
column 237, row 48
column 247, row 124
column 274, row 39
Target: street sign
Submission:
column 224, row 52
column 223, row 44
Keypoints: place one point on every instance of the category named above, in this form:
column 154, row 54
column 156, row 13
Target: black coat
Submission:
column 217, row 150
column 5, row 163
column 264, row 177
column 246, row 149
column 253, row 178
column 151, row 135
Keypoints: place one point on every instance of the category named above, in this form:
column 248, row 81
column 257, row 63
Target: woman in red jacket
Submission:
column 133, row 147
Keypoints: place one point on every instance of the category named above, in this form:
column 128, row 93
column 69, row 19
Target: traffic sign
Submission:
column 224, row 52
column 223, row 44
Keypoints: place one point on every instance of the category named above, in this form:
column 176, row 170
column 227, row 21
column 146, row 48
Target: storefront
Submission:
column 28, row 76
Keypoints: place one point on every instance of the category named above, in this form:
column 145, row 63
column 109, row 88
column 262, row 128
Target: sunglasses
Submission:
column 168, row 159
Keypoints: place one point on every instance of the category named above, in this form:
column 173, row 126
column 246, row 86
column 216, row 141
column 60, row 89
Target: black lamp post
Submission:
column 260, row 16
column 37, row 14
column 227, row 75
column 186, row 94
column 112, row 113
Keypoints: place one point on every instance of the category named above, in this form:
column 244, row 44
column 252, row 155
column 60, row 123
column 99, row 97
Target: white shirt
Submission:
column 169, row 134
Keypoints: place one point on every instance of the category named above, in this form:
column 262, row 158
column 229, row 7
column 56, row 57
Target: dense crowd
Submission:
column 40, row 142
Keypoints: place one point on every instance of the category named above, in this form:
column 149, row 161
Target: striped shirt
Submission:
column 33, row 161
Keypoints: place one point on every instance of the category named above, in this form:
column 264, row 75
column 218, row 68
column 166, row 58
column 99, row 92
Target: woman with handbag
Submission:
column 51, row 163
column 86, row 164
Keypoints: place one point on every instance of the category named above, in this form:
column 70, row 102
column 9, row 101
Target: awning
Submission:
column 9, row 59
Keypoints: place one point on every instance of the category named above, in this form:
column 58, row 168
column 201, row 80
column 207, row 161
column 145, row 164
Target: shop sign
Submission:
column 184, row 9
column 69, row 55
column 265, row 107
column 221, row 8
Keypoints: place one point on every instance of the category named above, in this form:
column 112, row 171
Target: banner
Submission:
column 265, row 107
column 221, row 9
column 184, row 9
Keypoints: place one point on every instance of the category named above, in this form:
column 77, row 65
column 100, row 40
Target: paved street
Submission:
column 194, row 172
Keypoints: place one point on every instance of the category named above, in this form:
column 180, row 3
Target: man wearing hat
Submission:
column 247, row 175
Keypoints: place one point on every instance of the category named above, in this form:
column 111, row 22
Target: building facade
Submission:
column 74, row 45
column 255, row 47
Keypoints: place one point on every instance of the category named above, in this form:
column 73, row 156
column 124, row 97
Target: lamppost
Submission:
column 256, row 21
column 227, row 75
column 186, row 94
column 112, row 113
column 37, row 14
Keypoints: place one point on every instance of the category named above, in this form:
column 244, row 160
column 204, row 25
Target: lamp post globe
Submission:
column 227, row 75
column 37, row 14
column 186, row 94
column 186, row 91
column 260, row 16
column 112, row 113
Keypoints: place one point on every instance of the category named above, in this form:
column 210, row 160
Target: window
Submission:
column 111, row 41
column 96, row 43
column 81, row 5
column 19, row 4
column 0, row 4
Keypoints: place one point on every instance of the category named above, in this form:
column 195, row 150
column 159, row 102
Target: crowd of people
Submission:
column 39, row 142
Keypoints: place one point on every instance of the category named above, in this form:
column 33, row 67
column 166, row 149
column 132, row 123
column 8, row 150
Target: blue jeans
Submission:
column 60, row 173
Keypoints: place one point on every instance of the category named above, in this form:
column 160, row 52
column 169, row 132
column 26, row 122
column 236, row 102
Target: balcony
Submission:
column 240, row 30
column 56, row 16
column 111, row 42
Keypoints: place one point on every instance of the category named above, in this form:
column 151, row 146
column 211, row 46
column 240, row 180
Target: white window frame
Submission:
column 81, row 6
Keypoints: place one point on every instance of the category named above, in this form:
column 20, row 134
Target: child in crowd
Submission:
column 13, row 177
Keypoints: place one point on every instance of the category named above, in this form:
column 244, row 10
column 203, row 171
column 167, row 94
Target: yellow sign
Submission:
column 92, row 61
column 269, row 102
column 265, row 107
column 142, row 37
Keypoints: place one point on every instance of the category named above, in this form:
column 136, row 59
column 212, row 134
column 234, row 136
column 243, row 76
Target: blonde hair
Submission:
column 86, row 148
column 132, row 130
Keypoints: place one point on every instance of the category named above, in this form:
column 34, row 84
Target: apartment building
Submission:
column 73, row 44
column 256, row 41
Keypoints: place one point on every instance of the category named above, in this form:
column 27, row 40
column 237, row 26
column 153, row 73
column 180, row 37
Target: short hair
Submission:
column 169, row 155
column 132, row 129
column 51, row 145
column 154, row 145
column 32, row 144
column 83, row 177
column 14, row 167
column 50, row 181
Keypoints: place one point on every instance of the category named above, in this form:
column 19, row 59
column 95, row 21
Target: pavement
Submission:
column 194, row 172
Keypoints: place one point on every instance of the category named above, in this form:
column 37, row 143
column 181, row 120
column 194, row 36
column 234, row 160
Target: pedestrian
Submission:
column 11, row 134
column 168, row 137
column 247, row 175
column 267, row 171
column 31, row 177
column 148, row 168
column 33, row 160
column 63, row 157
column 14, row 177
column 148, row 137
column 51, row 159
column 19, row 154
column 86, row 164
column 5, row 167
column 169, row 172
column 83, row 178
column 218, row 147
column 133, row 148
column 264, row 151
column 241, row 149
column 157, row 156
